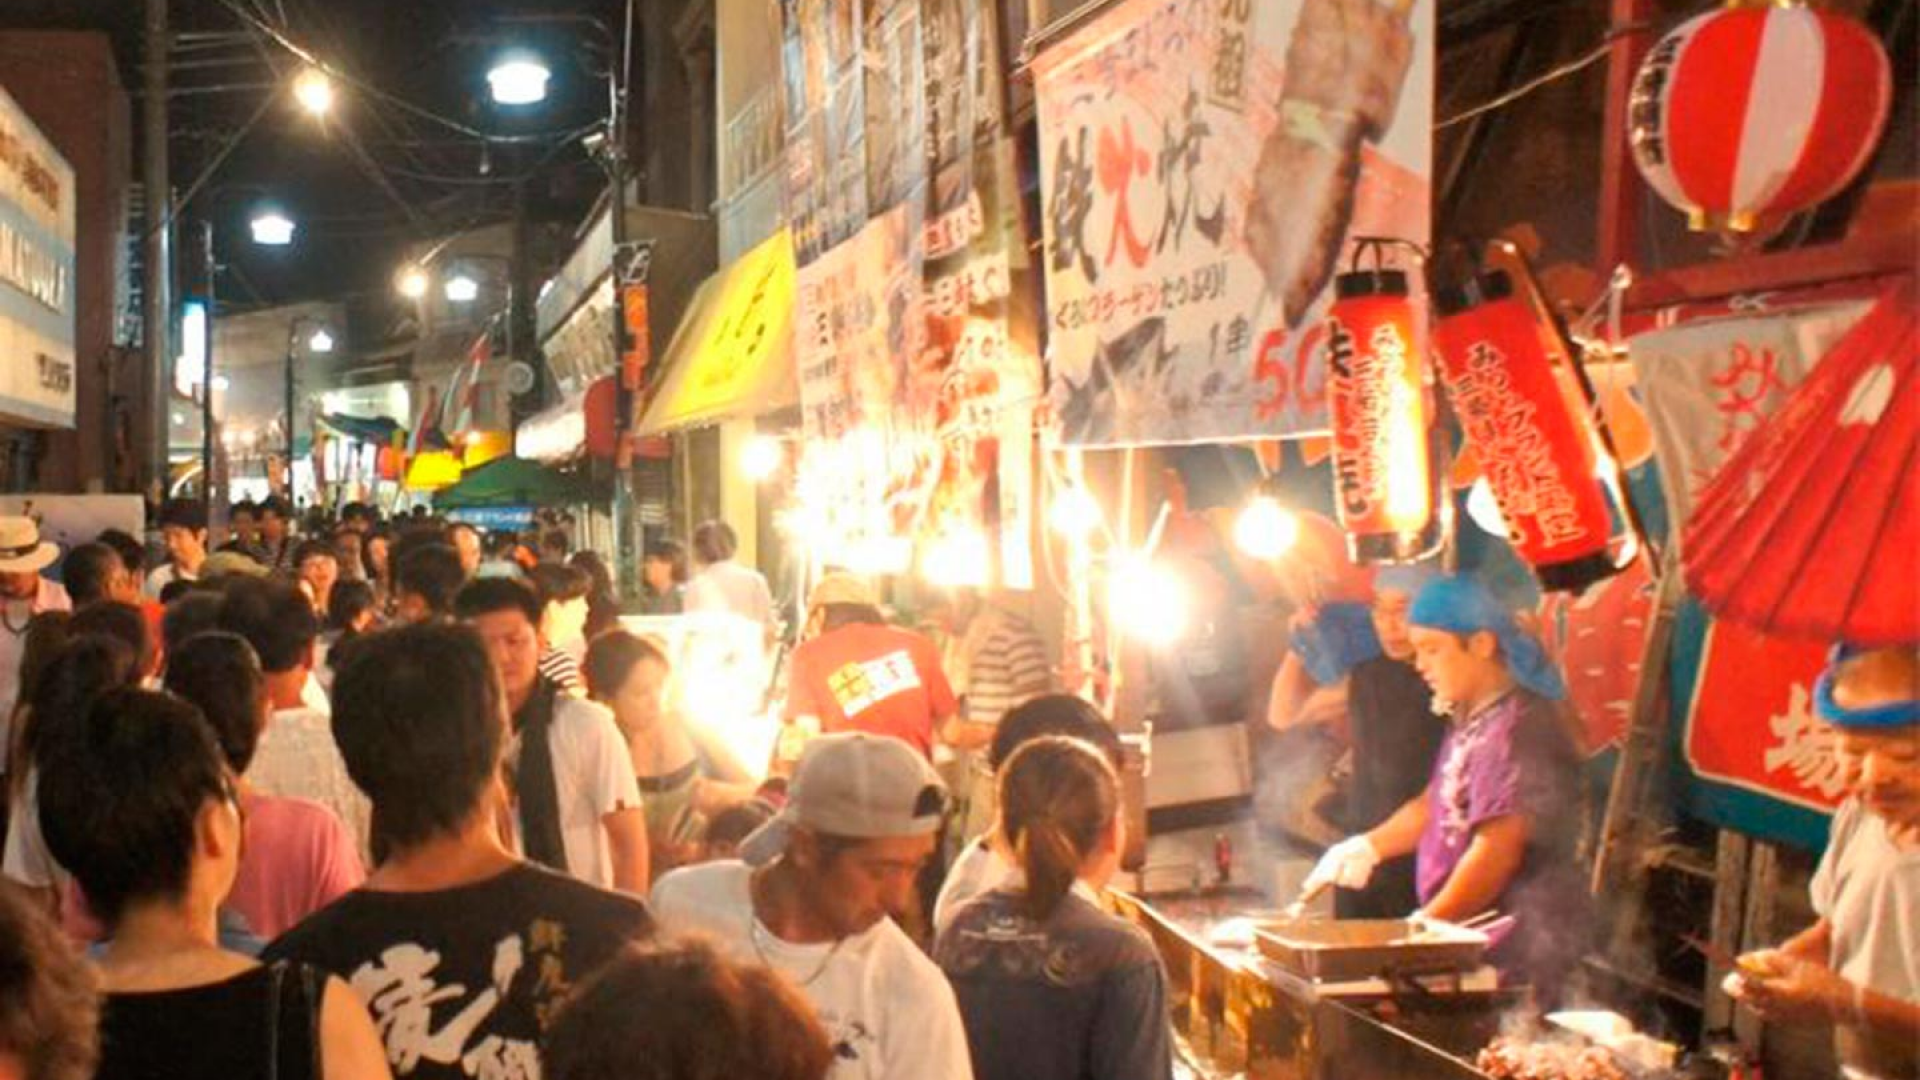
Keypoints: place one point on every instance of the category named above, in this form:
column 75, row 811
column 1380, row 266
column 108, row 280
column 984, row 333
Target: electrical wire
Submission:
column 1597, row 54
column 307, row 56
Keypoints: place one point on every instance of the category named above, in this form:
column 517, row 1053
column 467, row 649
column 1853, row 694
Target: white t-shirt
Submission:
column 27, row 859
column 729, row 587
column 1868, row 890
column 593, row 777
column 888, row 1009
column 164, row 575
column 978, row 870
column 298, row 758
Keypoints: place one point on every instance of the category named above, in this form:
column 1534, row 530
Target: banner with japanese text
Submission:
column 1204, row 164
column 1762, row 761
column 1706, row 385
column 917, row 403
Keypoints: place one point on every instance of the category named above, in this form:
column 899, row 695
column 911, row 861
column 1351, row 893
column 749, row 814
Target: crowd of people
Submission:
column 399, row 798
column 395, row 798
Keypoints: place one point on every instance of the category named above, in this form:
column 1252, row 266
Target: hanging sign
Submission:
column 1536, row 451
column 1383, row 476
column 1203, row 165
column 1706, row 385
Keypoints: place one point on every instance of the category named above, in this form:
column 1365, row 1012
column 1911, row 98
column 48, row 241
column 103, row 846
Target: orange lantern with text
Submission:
column 1536, row 449
column 1384, row 478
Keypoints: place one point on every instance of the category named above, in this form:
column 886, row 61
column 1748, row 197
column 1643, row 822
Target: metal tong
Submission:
column 1297, row 910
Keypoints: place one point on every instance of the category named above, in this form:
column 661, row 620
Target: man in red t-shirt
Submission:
column 856, row 673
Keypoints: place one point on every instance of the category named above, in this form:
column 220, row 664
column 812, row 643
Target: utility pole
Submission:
column 628, row 271
column 157, row 293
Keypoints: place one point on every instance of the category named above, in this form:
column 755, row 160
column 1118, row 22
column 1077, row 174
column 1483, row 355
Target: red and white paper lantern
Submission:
column 1758, row 110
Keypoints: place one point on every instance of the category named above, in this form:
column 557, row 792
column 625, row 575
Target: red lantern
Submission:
column 1384, row 474
column 1756, row 110
column 1537, row 451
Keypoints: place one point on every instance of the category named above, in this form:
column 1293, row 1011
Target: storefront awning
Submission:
column 379, row 430
column 511, row 481
column 580, row 424
column 733, row 353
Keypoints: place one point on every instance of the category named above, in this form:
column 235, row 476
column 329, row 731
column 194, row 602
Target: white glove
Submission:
column 1349, row 864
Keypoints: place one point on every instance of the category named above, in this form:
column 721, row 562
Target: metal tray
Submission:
column 1341, row 950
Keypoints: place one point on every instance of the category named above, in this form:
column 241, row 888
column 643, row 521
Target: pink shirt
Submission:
column 295, row 859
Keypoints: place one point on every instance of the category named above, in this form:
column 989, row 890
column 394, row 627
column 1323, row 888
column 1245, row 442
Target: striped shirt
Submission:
column 1008, row 666
column 559, row 666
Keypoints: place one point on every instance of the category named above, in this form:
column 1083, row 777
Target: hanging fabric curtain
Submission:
column 1810, row 529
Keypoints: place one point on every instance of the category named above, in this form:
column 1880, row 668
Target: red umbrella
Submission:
column 1812, row 528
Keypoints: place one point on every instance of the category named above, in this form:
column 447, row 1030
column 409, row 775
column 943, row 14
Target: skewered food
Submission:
column 1511, row 1058
column 1346, row 63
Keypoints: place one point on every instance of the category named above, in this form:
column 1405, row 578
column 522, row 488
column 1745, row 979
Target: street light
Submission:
column 272, row 228
column 314, row 91
column 319, row 342
column 413, row 282
column 462, row 289
column 519, row 80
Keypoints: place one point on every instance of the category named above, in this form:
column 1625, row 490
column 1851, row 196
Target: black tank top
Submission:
column 259, row 1025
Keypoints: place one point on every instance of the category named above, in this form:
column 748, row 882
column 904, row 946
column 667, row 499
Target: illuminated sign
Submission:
column 37, row 227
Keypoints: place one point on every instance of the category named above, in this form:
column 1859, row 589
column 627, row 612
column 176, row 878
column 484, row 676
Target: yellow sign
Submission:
column 433, row 470
column 733, row 354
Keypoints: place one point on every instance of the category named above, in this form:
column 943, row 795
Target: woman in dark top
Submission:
column 139, row 805
column 1050, row 985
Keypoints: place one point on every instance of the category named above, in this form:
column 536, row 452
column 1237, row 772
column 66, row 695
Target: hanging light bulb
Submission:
column 1074, row 513
column 1484, row 509
column 1148, row 600
column 1265, row 530
column 761, row 457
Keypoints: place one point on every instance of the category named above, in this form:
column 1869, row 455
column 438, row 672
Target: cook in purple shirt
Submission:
column 1498, row 827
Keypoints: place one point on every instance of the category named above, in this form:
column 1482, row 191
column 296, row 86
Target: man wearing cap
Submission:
column 23, row 594
column 856, row 673
column 1499, row 823
column 811, row 897
column 1858, row 965
column 1362, row 669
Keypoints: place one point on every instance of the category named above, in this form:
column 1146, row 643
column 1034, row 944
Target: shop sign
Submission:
column 37, row 228
column 511, row 519
column 1204, row 164
column 1750, row 730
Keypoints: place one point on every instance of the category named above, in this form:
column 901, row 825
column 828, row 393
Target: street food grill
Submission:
column 1583, row 1045
column 1328, row 950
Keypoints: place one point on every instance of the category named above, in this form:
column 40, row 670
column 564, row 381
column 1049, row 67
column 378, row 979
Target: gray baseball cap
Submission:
column 857, row 785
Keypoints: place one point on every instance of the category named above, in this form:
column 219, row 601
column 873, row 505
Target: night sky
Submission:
column 376, row 175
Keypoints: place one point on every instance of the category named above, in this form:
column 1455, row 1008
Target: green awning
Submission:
column 512, row 481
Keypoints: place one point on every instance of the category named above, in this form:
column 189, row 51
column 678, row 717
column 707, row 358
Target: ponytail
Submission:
column 1050, row 862
column 1058, row 798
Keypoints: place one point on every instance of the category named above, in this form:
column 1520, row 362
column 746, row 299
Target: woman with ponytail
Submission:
column 1051, row 986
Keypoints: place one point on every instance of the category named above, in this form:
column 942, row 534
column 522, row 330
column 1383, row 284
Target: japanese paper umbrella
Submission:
column 1812, row 528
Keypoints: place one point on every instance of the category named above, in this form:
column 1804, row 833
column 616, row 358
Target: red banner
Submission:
column 1751, row 723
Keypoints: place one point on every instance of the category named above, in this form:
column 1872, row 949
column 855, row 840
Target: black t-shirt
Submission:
column 239, row 1027
column 1395, row 738
column 464, row 982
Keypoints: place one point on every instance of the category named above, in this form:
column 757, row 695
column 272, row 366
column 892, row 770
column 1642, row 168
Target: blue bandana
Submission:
column 1461, row 605
column 1339, row 639
column 1894, row 714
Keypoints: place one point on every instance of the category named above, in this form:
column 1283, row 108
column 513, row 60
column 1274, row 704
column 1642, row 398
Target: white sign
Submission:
column 1204, row 167
column 37, row 226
